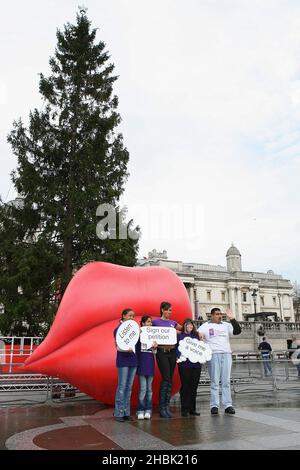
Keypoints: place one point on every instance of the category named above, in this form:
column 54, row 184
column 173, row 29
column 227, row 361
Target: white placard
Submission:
column 194, row 350
column 158, row 334
column 128, row 335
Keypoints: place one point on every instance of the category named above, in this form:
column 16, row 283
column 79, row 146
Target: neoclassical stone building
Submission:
column 218, row 286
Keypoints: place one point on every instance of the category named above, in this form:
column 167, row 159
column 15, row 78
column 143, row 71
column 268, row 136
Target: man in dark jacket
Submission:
column 265, row 349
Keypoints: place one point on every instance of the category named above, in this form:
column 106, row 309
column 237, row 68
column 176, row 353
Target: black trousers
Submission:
column 189, row 383
column 166, row 362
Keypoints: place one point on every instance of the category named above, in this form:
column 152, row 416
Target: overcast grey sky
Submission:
column 209, row 95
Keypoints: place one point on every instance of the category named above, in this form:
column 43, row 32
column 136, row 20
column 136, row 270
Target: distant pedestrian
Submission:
column 265, row 349
column 295, row 355
column 295, row 343
column 261, row 330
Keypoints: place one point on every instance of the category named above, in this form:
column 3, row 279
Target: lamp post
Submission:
column 254, row 295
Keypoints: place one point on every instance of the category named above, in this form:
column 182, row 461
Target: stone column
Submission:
column 251, row 302
column 239, row 315
column 258, row 306
column 281, row 307
column 232, row 300
column 191, row 295
column 196, row 303
column 292, row 309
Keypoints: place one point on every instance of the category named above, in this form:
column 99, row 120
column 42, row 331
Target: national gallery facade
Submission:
column 244, row 292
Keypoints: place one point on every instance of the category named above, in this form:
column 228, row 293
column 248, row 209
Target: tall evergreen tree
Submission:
column 28, row 267
column 71, row 159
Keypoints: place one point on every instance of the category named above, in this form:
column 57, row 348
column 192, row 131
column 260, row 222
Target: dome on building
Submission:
column 233, row 251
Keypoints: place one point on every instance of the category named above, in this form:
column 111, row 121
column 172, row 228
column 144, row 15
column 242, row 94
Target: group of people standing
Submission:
column 215, row 333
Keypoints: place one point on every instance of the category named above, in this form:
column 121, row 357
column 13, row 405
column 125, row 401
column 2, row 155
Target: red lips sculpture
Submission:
column 80, row 347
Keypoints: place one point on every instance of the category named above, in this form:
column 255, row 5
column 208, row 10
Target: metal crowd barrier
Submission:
column 14, row 351
column 251, row 372
column 17, row 387
column 247, row 374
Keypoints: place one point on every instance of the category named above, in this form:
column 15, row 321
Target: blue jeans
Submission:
column 219, row 369
column 145, row 394
column 267, row 364
column 123, row 394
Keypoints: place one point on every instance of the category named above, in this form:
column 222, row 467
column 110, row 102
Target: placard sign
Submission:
column 127, row 335
column 158, row 334
column 194, row 350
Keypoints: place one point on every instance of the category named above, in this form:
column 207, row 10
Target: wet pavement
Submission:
column 264, row 420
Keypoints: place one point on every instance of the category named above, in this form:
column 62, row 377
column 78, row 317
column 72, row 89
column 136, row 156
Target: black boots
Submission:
column 194, row 413
column 169, row 394
column 164, row 399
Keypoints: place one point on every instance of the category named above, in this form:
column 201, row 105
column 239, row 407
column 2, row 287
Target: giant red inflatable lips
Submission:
column 80, row 347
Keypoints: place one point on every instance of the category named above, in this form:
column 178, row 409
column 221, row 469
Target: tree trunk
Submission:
column 68, row 265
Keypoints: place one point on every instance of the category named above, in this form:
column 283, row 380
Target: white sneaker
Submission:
column 147, row 416
column 140, row 416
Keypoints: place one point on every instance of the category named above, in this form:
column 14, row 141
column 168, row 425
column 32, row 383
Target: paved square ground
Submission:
column 264, row 420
